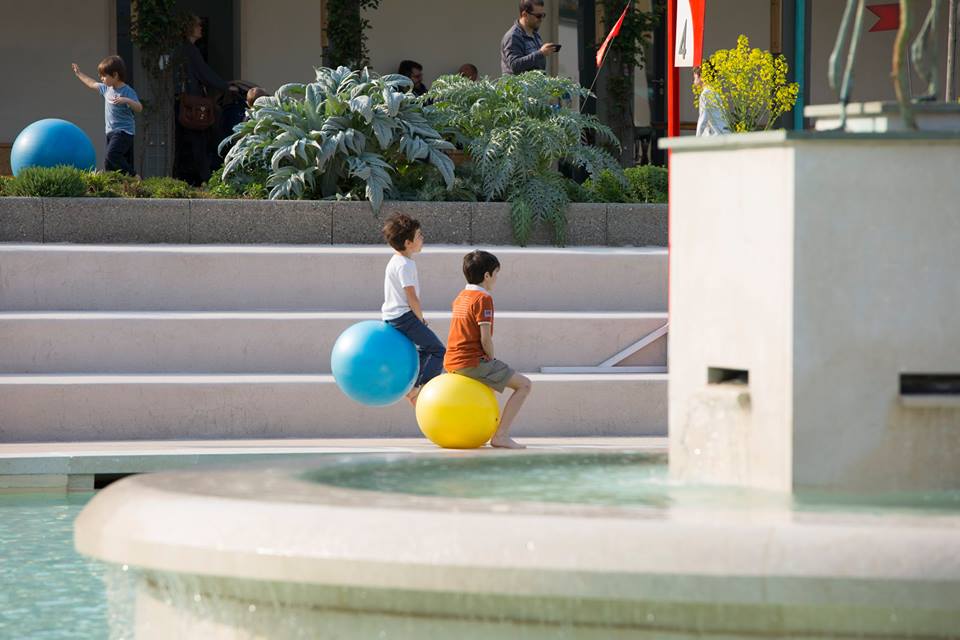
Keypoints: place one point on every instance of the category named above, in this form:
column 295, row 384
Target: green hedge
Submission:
column 167, row 188
column 645, row 183
column 69, row 182
column 53, row 182
column 112, row 184
column 249, row 187
column 648, row 183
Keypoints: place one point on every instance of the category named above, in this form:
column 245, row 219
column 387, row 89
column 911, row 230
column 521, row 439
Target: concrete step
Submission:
column 80, row 466
column 38, row 277
column 78, row 408
column 288, row 342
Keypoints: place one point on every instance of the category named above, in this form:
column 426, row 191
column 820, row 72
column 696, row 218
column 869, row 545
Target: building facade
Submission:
column 271, row 42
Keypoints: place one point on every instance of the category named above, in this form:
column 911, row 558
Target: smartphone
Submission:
column 556, row 47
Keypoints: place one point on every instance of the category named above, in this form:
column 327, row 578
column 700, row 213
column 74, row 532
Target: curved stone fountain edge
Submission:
column 200, row 524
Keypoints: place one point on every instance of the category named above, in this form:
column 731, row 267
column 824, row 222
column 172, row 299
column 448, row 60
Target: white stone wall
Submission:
column 38, row 41
column 730, row 301
column 826, row 268
column 876, row 294
column 442, row 36
column 279, row 41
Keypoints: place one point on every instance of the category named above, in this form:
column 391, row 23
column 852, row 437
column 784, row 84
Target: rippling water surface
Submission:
column 47, row 590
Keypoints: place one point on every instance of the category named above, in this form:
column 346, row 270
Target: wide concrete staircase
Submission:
column 101, row 342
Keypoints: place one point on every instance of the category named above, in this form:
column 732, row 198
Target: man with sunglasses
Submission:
column 521, row 48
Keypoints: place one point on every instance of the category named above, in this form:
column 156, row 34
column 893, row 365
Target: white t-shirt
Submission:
column 401, row 272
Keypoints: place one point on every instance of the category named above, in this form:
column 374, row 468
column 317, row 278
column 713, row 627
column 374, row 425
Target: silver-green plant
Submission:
column 326, row 137
column 516, row 129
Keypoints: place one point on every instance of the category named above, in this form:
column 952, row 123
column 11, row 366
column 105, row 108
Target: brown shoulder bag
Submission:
column 196, row 112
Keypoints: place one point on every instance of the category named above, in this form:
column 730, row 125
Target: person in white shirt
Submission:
column 711, row 121
column 401, row 298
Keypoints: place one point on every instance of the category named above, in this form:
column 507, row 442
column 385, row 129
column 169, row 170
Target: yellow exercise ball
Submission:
column 457, row 412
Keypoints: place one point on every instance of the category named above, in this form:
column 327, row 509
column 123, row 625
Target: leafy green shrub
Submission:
column 605, row 187
column 648, row 183
column 111, row 184
column 4, row 181
column 217, row 188
column 516, row 130
column 346, row 129
column 421, row 181
column 162, row 187
column 577, row 192
column 466, row 188
column 236, row 186
column 49, row 182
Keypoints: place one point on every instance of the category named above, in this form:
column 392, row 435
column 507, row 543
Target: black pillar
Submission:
column 587, row 46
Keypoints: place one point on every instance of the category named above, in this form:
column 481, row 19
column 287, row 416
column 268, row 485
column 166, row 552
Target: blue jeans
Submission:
column 429, row 347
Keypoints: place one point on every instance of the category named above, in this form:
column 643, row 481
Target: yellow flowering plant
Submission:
column 748, row 85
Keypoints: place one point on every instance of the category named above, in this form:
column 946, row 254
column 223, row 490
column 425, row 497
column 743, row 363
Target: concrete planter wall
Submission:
column 120, row 220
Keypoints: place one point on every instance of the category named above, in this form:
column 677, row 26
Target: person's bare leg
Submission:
column 521, row 389
column 412, row 396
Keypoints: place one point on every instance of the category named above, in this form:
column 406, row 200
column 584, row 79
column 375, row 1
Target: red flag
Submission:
column 602, row 51
column 888, row 16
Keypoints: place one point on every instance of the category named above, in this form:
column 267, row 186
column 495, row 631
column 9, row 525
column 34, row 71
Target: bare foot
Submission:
column 412, row 396
column 506, row 443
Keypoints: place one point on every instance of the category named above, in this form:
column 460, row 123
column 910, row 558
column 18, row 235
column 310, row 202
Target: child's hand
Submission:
column 119, row 100
column 76, row 69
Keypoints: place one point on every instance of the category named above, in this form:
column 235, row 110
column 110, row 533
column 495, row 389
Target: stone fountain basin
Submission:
column 269, row 540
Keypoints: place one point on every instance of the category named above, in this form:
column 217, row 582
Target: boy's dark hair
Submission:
column 477, row 264
column 407, row 66
column 253, row 93
column 113, row 65
column 398, row 229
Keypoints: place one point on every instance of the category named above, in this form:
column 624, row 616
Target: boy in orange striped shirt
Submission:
column 470, row 343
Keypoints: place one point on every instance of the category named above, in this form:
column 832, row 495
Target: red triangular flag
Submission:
column 888, row 16
column 602, row 51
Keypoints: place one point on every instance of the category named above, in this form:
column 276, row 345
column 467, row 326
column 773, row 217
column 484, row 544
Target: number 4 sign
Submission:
column 689, row 31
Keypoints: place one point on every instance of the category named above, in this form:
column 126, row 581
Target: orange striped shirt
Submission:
column 471, row 307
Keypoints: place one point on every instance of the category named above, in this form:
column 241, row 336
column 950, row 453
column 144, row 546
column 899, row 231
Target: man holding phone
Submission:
column 521, row 48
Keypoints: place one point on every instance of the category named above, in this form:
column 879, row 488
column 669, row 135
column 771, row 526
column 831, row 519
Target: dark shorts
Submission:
column 493, row 373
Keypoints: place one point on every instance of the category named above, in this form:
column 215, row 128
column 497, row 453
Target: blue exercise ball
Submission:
column 51, row 142
column 373, row 363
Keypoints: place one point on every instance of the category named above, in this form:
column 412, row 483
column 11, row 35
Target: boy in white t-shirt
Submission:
column 401, row 298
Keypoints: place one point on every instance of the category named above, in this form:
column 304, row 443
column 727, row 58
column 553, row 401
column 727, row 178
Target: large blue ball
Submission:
column 52, row 142
column 373, row 363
